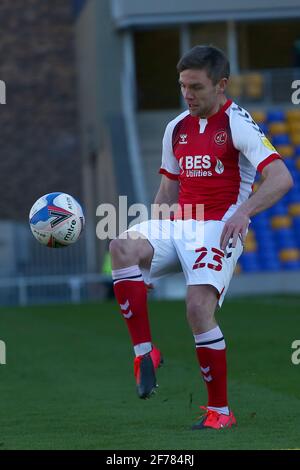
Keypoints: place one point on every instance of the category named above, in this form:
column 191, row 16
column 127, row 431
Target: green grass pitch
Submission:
column 68, row 381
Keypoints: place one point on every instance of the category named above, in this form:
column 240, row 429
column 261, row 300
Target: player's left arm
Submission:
column 277, row 181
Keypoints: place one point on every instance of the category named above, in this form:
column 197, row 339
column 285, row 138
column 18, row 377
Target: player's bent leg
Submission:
column 201, row 303
column 129, row 251
column 131, row 293
column 211, row 354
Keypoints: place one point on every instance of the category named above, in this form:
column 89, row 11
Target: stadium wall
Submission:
column 135, row 12
column 40, row 150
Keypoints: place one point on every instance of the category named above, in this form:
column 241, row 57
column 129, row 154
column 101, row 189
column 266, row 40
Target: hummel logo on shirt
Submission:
column 183, row 138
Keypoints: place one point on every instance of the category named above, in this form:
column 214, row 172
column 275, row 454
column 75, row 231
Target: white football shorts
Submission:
column 190, row 246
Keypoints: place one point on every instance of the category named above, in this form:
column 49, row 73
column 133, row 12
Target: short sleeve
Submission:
column 169, row 165
column 249, row 139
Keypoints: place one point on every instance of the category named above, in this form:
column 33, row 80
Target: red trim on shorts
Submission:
column 221, row 292
column 271, row 158
column 171, row 176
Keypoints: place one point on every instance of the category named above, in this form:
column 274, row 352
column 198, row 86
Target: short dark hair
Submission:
column 209, row 58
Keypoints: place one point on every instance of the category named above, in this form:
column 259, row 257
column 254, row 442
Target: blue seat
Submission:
column 290, row 163
column 294, row 194
column 285, row 238
column 278, row 209
column 290, row 265
column 275, row 115
column 263, row 126
column 296, row 222
column 260, row 220
column 264, row 240
column 297, row 150
column 296, row 228
column 286, row 199
column 271, row 265
column 281, row 139
column 295, row 175
column 267, row 247
column 249, row 262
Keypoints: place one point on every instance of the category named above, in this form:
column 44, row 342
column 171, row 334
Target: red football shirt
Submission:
column 215, row 159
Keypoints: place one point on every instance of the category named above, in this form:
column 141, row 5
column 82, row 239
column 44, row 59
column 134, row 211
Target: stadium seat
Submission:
column 278, row 209
column 281, row 221
column 290, row 258
column 293, row 115
column 294, row 195
column 273, row 243
column 295, row 137
column 250, row 242
column 286, row 151
column 238, row 269
column 294, row 126
column 281, row 139
column 235, row 86
column 277, row 128
column 275, row 115
column 285, row 239
column 296, row 227
column 289, row 254
column 294, row 209
column 291, row 165
column 264, row 127
column 253, row 86
column 249, row 262
column 259, row 116
column 271, row 265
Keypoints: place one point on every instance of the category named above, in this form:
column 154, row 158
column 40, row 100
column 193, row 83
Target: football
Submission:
column 56, row 220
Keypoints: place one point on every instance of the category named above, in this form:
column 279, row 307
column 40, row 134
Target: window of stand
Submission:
column 156, row 56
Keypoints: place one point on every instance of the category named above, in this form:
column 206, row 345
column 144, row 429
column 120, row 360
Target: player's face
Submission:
column 201, row 95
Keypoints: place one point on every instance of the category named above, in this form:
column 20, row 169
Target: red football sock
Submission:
column 213, row 367
column 131, row 293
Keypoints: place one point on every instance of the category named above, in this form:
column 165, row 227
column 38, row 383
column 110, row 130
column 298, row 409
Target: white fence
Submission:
column 31, row 273
column 74, row 288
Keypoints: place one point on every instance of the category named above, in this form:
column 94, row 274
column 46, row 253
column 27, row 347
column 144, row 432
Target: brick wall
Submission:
column 39, row 135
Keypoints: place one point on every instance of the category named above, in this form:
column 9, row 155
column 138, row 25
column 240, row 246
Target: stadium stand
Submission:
column 273, row 242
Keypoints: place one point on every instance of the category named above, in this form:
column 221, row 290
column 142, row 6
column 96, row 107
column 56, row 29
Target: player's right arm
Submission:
column 167, row 195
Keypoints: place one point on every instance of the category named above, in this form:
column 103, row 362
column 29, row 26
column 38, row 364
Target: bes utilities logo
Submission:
column 200, row 165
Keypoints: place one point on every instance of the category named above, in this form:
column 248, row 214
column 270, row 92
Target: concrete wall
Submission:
column 136, row 12
column 38, row 124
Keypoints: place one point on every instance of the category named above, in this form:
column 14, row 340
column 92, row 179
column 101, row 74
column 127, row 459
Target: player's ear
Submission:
column 222, row 85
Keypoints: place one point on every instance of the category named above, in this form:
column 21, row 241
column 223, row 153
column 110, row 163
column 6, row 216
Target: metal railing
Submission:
column 269, row 87
column 24, row 290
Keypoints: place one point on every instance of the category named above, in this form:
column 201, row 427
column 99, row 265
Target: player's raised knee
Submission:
column 117, row 247
column 122, row 252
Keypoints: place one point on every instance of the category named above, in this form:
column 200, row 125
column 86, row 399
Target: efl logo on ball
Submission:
column 56, row 220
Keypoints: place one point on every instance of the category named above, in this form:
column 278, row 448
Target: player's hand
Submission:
column 235, row 227
column 149, row 287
